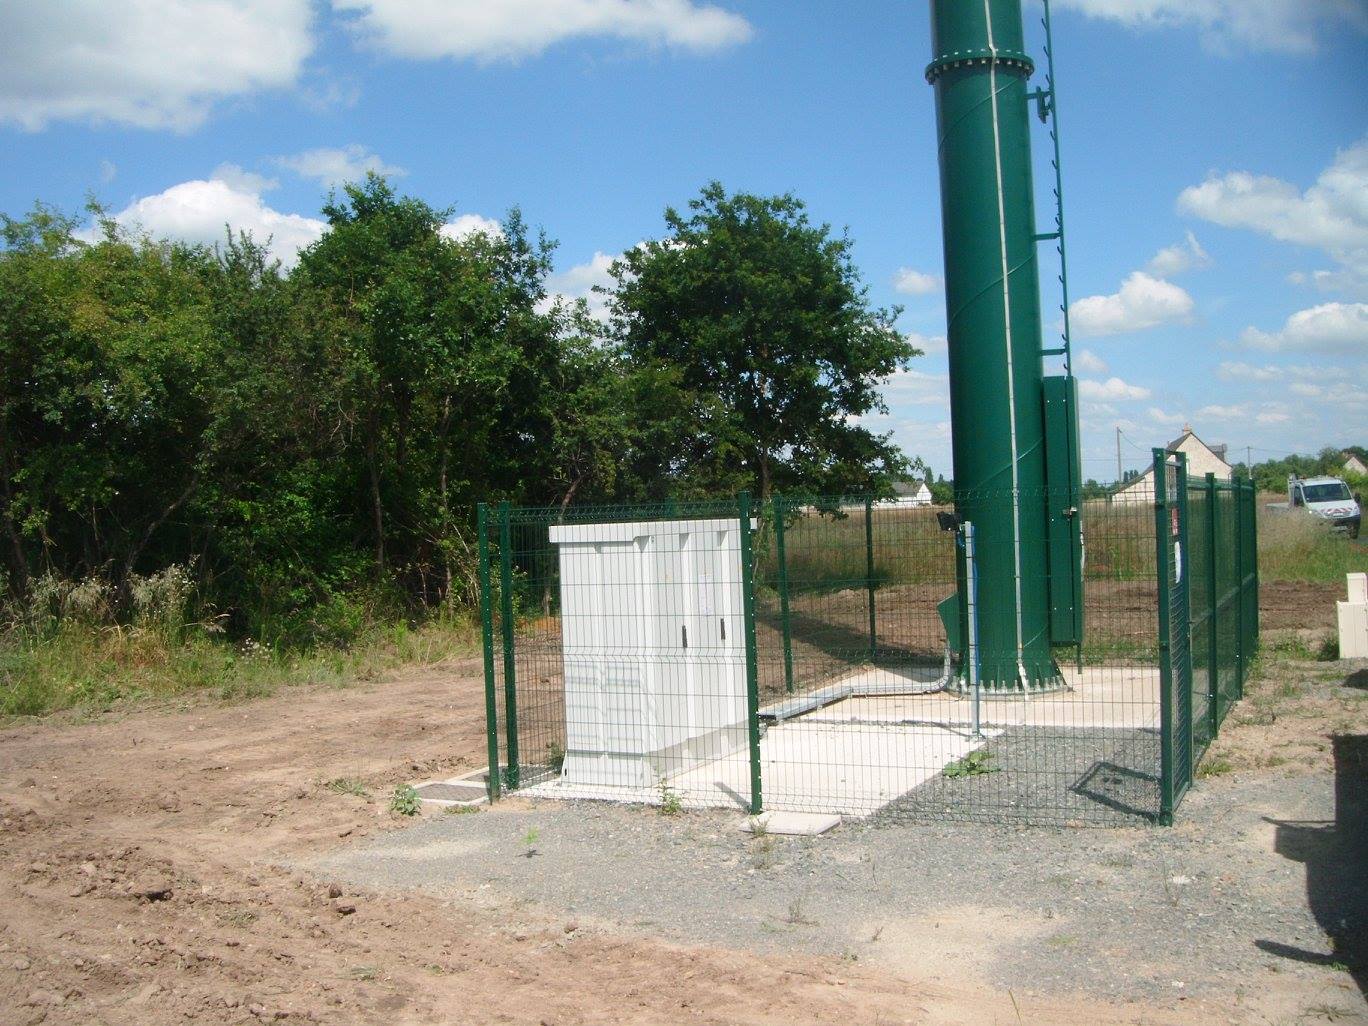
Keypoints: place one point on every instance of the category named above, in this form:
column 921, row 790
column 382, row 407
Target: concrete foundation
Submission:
column 855, row 755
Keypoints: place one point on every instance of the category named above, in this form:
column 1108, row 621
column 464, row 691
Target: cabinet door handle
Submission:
column 684, row 634
column 723, row 623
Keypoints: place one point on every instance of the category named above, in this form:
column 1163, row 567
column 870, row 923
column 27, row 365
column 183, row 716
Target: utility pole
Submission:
column 1118, row 453
column 1249, row 461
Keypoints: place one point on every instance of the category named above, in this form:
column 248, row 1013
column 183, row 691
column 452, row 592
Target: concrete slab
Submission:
column 1109, row 697
column 468, row 790
column 864, row 742
column 798, row 824
column 846, row 768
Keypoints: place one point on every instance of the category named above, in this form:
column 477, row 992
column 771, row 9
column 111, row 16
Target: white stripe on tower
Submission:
column 1007, row 334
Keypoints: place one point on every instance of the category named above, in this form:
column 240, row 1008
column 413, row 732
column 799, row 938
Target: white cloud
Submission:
column 332, row 166
column 578, row 283
column 928, row 344
column 1340, row 392
column 466, row 224
column 1353, row 280
column 911, row 282
column 108, row 169
column 198, row 210
column 146, row 63
column 1328, row 328
column 1143, row 301
column 1273, row 417
column 1222, row 412
column 1331, row 215
column 1237, row 371
column 1280, row 26
column 511, row 29
column 1089, row 362
column 1163, row 417
column 916, row 388
column 1113, row 389
column 243, row 181
column 1174, row 260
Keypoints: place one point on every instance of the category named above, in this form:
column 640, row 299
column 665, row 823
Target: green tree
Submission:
column 108, row 379
column 763, row 336
column 446, row 361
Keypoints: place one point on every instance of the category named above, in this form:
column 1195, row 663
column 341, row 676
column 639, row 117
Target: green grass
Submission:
column 405, row 801
column 1215, row 766
column 829, row 552
column 975, row 764
column 348, row 785
column 96, row 667
column 1297, row 547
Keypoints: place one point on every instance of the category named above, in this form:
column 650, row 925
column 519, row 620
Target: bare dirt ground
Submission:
column 143, row 879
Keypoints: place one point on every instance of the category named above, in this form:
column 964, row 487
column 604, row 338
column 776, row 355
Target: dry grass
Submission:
column 92, row 667
column 1298, row 547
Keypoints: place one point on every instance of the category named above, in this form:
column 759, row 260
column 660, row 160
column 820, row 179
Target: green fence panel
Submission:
column 510, row 664
column 1200, row 515
column 487, row 645
column 1175, row 658
column 782, row 586
column 743, row 512
column 768, row 699
column 1183, row 615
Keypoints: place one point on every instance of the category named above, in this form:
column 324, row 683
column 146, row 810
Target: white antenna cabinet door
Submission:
column 653, row 642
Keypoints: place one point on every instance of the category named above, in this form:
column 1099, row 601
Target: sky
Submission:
column 1215, row 158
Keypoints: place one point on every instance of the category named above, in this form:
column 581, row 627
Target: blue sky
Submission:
column 1215, row 157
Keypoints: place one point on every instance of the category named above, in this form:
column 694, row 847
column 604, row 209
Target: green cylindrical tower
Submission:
column 992, row 298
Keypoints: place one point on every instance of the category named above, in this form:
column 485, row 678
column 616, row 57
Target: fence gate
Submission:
column 1172, row 566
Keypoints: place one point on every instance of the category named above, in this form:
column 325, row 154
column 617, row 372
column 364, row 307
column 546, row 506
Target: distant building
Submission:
column 1354, row 465
column 1202, row 459
column 909, row 493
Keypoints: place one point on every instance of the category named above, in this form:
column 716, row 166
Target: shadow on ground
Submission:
column 1335, row 855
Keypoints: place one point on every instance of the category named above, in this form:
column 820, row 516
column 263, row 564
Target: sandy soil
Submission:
column 1301, row 605
column 141, row 882
column 138, row 886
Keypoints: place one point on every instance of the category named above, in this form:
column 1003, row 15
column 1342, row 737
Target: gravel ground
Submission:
column 1218, row 903
column 1048, row 776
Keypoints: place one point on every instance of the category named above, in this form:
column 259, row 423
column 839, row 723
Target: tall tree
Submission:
column 777, row 349
column 107, row 380
column 447, row 355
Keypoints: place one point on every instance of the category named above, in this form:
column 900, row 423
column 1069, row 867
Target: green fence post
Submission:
column 1184, row 562
column 509, row 658
column 743, row 508
column 1253, row 554
column 487, row 642
column 1237, row 504
column 1213, row 604
column 782, row 558
column 1163, row 574
column 869, row 575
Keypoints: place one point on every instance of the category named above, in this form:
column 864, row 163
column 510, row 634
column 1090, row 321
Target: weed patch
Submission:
column 975, row 764
column 405, row 801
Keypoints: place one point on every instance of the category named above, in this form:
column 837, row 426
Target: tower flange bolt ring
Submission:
column 1013, row 59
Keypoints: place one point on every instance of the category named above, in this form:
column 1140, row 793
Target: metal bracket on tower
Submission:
column 1044, row 99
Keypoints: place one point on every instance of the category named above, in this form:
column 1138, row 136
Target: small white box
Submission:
column 1353, row 619
column 1358, row 588
column 1353, row 630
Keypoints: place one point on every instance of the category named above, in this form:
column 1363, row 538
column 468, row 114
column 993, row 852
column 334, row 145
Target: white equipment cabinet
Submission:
column 1353, row 619
column 652, row 636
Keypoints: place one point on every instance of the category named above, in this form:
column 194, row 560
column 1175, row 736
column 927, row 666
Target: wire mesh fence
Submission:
column 820, row 653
